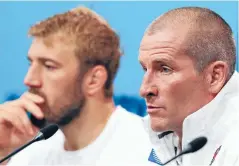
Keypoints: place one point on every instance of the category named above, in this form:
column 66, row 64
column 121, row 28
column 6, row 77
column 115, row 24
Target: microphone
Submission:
column 192, row 147
column 40, row 123
column 43, row 134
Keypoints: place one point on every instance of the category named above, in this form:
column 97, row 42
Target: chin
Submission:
column 159, row 125
column 50, row 117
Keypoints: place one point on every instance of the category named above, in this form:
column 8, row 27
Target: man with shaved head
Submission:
column 190, row 85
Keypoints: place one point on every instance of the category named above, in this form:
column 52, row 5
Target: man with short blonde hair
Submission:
column 74, row 58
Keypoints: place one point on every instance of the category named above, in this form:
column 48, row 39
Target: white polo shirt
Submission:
column 123, row 142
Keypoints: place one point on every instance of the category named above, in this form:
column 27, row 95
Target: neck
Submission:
column 83, row 130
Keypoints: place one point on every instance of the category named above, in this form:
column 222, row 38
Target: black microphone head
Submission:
column 49, row 130
column 193, row 146
column 197, row 144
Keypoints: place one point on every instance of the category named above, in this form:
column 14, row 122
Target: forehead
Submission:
column 56, row 50
column 161, row 43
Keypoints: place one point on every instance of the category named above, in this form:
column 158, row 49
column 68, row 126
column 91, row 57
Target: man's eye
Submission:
column 165, row 69
column 50, row 67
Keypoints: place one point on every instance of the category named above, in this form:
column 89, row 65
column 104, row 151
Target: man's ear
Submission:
column 94, row 80
column 216, row 76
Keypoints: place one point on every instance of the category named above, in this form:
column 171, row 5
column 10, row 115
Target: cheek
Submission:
column 184, row 95
column 171, row 88
column 59, row 89
column 176, row 91
column 62, row 97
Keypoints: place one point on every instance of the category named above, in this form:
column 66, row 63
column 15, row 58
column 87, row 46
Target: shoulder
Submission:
column 130, row 138
column 130, row 121
column 120, row 111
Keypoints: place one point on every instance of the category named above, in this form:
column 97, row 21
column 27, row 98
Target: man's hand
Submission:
column 15, row 126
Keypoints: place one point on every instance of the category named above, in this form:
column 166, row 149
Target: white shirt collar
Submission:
column 212, row 114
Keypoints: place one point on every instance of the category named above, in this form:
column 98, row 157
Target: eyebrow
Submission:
column 165, row 61
column 159, row 60
column 42, row 59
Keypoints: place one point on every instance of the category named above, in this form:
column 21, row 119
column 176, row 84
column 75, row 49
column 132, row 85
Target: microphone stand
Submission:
column 17, row 150
column 37, row 138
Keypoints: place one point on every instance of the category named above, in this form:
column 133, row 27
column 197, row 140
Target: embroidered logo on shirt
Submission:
column 215, row 155
column 154, row 158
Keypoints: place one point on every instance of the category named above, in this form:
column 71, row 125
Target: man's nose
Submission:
column 32, row 78
column 148, row 88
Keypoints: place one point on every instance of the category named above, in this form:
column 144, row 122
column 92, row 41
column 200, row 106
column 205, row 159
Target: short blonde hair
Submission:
column 93, row 40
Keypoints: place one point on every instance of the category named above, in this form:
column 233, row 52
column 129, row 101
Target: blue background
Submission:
column 129, row 19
